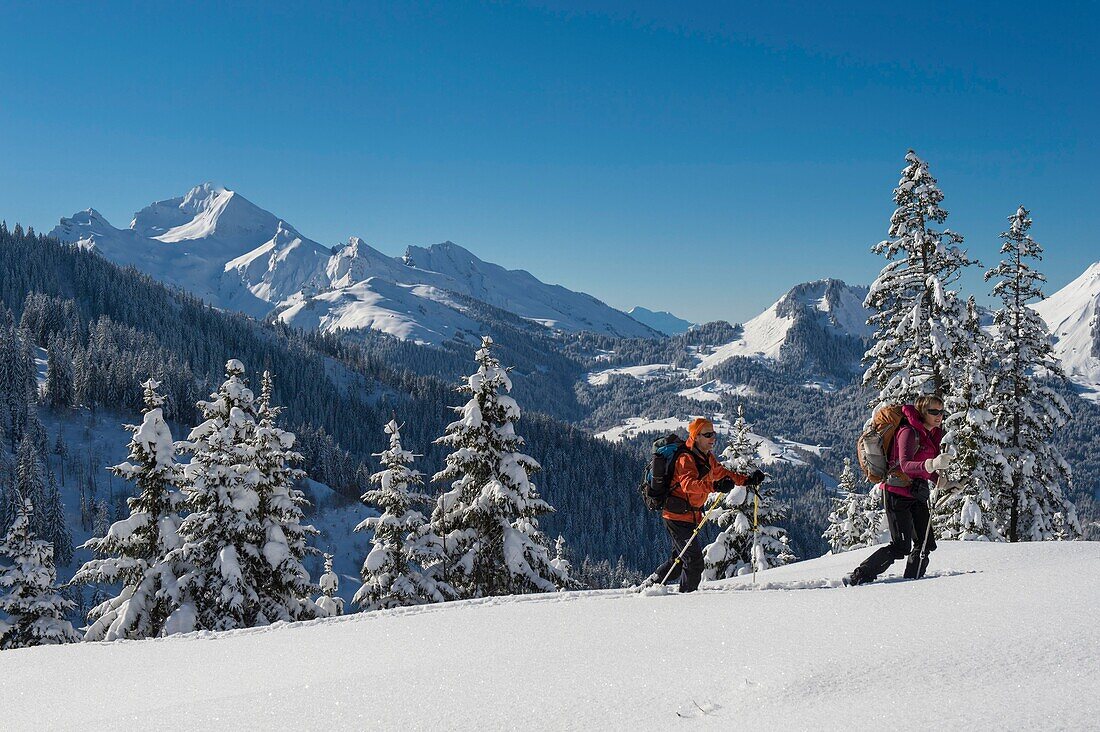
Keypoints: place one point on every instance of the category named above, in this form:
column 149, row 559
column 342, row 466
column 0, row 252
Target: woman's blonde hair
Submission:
column 924, row 402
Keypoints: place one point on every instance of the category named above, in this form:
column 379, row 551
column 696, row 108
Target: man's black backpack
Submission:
column 657, row 483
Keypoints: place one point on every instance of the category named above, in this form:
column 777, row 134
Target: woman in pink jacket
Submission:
column 916, row 454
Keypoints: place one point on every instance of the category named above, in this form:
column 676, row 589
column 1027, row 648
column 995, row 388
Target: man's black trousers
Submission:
column 692, row 562
column 908, row 520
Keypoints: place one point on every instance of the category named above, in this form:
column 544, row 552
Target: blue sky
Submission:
column 701, row 159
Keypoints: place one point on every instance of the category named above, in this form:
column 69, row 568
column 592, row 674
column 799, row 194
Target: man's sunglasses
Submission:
column 708, row 434
column 934, row 412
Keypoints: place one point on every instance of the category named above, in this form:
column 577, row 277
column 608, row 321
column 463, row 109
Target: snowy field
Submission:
column 997, row 637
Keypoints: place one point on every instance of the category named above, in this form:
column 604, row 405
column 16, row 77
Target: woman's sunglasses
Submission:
column 934, row 412
column 708, row 434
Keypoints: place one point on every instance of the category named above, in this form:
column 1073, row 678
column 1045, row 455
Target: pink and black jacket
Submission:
column 913, row 444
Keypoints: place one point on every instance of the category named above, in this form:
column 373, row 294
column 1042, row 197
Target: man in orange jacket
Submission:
column 696, row 475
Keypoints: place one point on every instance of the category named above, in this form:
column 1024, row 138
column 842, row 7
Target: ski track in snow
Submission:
column 996, row 637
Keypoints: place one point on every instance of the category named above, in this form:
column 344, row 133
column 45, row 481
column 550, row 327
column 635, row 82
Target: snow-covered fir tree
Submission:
column 914, row 311
column 875, row 528
column 964, row 507
column 34, row 607
column 30, row 479
column 846, row 521
column 403, row 544
column 134, row 552
column 739, row 548
column 1021, row 401
column 330, row 603
column 563, row 565
column 225, row 540
column 282, row 582
column 489, row 518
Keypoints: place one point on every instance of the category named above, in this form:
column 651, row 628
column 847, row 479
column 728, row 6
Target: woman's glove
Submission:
column 938, row 463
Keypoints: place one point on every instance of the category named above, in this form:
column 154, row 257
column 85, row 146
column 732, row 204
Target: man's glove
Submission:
column 938, row 463
column 756, row 478
column 724, row 485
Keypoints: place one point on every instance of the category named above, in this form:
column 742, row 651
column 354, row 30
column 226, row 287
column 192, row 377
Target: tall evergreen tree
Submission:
column 57, row 527
column 915, row 312
column 489, row 518
column 30, row 480
column 964, row 508
column 1023, row 404
column 134, row 551
column 739, row 547
column 221, row 539
column 33, row 604
column 847, row 519
column 282, row 581
column 403, row 544
column 59, row 378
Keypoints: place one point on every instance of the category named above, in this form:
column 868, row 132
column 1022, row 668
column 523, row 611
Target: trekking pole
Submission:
column 755, row 526
column 680, row 556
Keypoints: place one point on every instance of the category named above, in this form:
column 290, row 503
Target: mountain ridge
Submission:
column 222, row 247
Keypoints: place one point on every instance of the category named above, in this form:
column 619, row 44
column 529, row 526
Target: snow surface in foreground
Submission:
column 997, row 637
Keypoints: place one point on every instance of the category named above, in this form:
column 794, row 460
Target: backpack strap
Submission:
column 894, row 475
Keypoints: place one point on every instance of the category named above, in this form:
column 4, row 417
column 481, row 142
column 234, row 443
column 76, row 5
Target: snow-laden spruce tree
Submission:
column 914, row 311
column 846, row 521
column 875, row 528
column 330, row 604
column 134, row 552
column 738, row 548
column 34, row 607
column 238, row 570
column 403, row 543
column 563, row 565
column 488, row 520
column 964, row 508
column 30, row 481
column 1023, row 405
column 282, row 582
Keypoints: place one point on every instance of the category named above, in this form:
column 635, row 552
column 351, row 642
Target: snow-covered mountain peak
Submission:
column 793, row 325
column 208, row 213
column 446, row 258
column 841, row 303
column 1073, row 316
column 87, row 221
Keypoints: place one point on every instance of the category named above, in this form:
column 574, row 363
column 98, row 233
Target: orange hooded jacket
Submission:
column 689, row 486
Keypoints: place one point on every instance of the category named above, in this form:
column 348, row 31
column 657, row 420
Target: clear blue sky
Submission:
column 694, row 158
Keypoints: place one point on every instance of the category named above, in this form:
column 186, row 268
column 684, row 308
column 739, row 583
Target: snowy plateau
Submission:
column 998, row 636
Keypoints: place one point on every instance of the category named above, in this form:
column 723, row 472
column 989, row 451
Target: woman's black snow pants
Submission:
column 908, row 519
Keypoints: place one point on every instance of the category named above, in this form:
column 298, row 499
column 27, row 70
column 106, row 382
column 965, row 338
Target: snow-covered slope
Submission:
column 1073, row 316
column 660, row 320
column 517, row 291
column 419, row 313
column 822, row 309
column 217, row 244
column 998, row 636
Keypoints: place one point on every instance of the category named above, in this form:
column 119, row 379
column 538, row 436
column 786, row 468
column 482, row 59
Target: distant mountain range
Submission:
column 220, row 246
column 660, row 320
column 215, row 243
